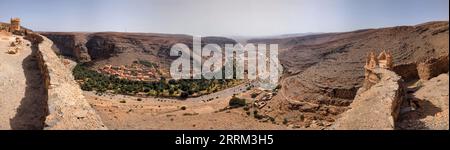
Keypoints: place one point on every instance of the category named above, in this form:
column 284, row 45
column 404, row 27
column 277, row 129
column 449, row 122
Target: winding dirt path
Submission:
column 22, row 98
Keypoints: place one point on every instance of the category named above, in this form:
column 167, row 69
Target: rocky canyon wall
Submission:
column 67, row 107
column 71, row 45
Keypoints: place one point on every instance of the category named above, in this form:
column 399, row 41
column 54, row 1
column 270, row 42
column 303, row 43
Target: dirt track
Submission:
column 22, row 100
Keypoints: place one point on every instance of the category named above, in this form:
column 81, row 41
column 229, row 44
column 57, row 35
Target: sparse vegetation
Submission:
column 302, row 117
column 254, row 95
column 271, row 119
column 91, row 80
column 278, row 87
column 237, row 102
column 258, row 116
column 246, row 108
column 285, row 121
column 190, row 114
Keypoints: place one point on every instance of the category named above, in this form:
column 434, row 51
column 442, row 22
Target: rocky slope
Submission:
column 323, row 72
column 429, row 105
column 328, row 68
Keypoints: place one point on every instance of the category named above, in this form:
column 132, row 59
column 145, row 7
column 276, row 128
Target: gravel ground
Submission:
column 22, row 99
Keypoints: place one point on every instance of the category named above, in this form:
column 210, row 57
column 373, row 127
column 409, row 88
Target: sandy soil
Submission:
column 22, row 94
column 126, row 112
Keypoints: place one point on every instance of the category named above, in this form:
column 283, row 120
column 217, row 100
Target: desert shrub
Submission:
column 271, row 119
column 172, row 81
column 258, row 116
column 183, row 108
column 146, row 63
column 255, row 112
column 253, row 95
column 278, row 87
column 237, row 102
column 190, row 114
column 184, row 95
column 246, row 108
column 285, row 121
column 302, row 117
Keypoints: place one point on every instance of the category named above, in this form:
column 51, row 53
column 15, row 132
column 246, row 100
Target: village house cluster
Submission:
column 136, row 72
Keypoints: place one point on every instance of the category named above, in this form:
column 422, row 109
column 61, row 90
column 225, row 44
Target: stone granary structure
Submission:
column 14, row 25
column 384, row 60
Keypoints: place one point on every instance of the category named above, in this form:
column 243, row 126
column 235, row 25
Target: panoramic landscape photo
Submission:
column 224, row 65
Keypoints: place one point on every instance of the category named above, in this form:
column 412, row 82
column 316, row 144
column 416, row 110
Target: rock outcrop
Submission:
column 376, row 108
column 428, row 109
column 67, row 107
column 71, row 45
column 377, row 103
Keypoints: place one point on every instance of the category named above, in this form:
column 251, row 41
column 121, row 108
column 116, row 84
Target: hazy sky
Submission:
column 221, row 17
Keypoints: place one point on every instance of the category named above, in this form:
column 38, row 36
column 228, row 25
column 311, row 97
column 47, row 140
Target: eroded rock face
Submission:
column 71, row 45
column 122, row 48
column 67, row 107
column 376, row 108
column 432, row 67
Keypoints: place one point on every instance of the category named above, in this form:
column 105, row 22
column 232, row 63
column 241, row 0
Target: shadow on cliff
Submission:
column 33, row 107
